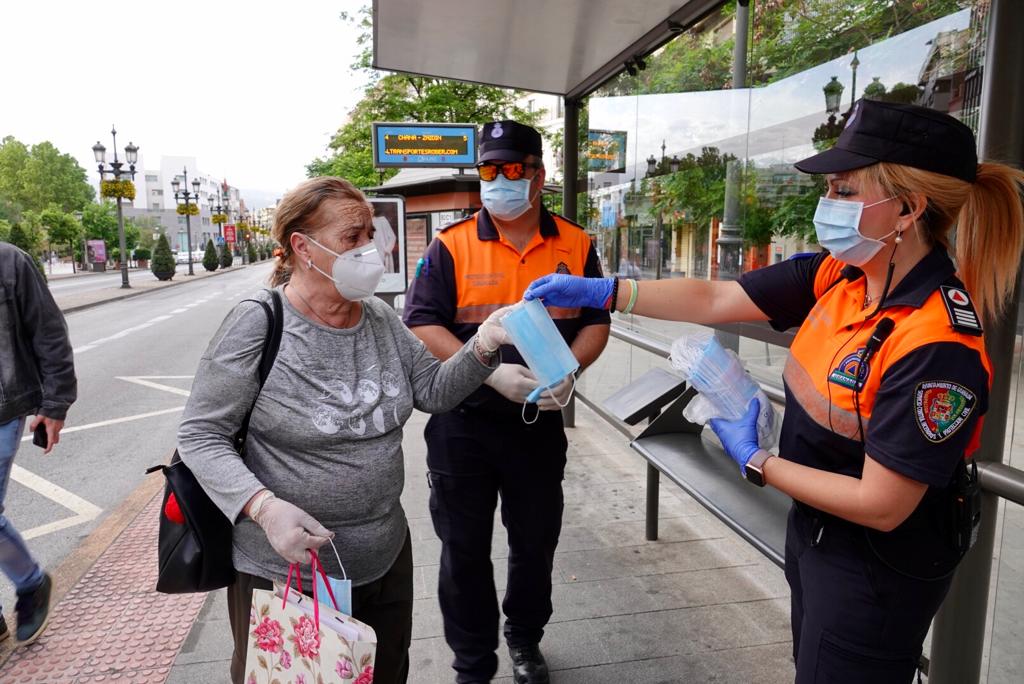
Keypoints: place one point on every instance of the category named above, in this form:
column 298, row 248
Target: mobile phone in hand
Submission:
column 39, row 437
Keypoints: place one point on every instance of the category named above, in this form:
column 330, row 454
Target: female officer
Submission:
column 886, row 381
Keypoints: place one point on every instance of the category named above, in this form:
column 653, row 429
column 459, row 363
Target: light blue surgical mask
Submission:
column 341, row 589
column 837, row 226
column 538, row 341
column 506, row 199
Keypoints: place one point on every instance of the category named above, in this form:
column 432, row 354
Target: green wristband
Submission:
column 632, row 296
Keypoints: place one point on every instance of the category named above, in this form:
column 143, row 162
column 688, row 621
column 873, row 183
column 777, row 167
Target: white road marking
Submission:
column 178, row 311
column 83, row 510
column 84, row 348
column 112, row 421
column 157, row 319
column 141, row 380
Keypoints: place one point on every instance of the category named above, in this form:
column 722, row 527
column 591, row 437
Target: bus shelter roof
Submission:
column 564, row 47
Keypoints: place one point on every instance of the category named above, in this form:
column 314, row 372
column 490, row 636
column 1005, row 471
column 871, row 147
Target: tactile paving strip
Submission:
column 112, row 626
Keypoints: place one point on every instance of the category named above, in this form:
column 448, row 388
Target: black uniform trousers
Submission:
column 385, row 604
column 854, row 618
column 473, row 457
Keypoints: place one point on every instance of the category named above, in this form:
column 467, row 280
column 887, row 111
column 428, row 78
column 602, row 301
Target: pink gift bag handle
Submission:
column 315, row 566
column 293, row 568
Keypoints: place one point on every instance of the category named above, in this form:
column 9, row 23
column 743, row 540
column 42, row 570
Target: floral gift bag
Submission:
column 293, row 639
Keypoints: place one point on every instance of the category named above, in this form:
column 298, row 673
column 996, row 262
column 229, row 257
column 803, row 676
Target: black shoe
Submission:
column 528, row 665
column 33, row 609
column 4, row 629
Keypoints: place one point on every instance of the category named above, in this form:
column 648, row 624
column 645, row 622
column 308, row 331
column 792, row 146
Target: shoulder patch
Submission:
column 941, row 408
column 454, row 223
column 962, row 316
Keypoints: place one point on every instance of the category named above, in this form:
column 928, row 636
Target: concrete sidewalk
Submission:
column 77, row 301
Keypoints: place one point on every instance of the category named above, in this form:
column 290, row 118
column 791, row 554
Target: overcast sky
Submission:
column 254, row 90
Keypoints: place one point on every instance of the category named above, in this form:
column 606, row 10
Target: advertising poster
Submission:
column 96, row 251
column 389, row 236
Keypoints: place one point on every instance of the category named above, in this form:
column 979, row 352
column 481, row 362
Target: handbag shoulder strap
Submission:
column 271, row 344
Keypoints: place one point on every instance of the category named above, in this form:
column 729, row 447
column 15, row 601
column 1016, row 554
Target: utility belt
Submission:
column 930, row 543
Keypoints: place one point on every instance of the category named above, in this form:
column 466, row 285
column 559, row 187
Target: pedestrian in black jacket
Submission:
column 37, row 378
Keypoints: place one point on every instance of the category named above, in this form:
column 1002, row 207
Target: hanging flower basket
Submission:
column 124, row 189
column 188, row 210
column 219, row 218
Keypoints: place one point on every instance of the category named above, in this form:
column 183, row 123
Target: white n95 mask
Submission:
column 356, row 273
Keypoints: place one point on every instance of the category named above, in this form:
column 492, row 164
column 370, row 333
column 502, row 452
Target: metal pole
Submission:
column 188, row 233
column 570, row 171
column 123, row 248
column 739, row 50
column 958, row 633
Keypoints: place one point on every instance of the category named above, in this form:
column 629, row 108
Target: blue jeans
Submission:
column 15, row 560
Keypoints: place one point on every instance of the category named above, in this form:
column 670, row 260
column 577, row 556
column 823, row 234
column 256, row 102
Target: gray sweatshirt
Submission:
column 325, row 432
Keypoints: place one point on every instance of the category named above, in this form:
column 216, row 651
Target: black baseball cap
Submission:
column 900, row 134
column 509, row 141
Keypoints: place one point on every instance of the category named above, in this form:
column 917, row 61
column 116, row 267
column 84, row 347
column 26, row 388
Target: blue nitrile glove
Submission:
column 571, row 291
column 739, row 437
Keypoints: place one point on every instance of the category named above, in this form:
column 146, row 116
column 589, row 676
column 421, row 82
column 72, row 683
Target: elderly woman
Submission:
column 324, row 446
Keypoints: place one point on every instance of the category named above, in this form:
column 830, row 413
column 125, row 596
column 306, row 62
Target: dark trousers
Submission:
column 854, row 619
column 385, row 605
column 472, row 458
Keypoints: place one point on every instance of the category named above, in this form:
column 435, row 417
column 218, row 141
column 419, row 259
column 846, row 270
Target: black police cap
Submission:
column 900, row 134
column 509, row 141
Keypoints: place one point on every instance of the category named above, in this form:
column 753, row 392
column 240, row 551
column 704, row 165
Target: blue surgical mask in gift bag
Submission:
column 540, row 344
column 341, row 588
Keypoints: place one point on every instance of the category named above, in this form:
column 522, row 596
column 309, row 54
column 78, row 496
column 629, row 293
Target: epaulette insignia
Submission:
column 962, row 315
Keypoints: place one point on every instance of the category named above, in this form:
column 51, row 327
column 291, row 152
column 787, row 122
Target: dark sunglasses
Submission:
column 510, row 170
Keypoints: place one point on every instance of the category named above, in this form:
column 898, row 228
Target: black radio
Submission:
column 966, row 507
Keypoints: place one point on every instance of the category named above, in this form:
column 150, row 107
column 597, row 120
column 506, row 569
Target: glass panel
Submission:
column 687, row 176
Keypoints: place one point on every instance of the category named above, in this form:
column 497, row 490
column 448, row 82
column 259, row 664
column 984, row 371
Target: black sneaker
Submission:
column 528, row 666
column 33, row 609
column 4, row 629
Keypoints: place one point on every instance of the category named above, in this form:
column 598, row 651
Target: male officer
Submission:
column 484, row 447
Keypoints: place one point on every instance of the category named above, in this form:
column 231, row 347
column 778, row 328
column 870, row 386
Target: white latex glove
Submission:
column 512, row 381
column 290, row 530
column 555, row 398
column 491, row 333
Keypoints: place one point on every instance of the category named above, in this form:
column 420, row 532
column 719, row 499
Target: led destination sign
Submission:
column 451, row 145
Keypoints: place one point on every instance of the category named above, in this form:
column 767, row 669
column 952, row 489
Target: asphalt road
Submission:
column 110, row 438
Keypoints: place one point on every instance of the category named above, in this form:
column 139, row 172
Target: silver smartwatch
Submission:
column 754, row 470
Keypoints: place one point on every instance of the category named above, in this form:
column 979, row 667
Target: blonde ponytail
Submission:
column 988, row 217
column 990, row 236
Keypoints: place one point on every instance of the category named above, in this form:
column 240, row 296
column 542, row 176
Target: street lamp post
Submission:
column 656, row 168
column 853, row 86
column 188, row 198
column 131, row 153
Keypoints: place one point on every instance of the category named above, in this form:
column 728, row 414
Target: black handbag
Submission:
column 195, row 552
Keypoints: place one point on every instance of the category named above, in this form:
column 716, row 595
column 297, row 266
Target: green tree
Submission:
column 100, row 222
column 62, row 228
column 401, row 97
column 790, row 36
column 210, row 260
column 250, row 250
column 163, row 260
column 226, row 257
column 32, row 179
column 5, row 230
